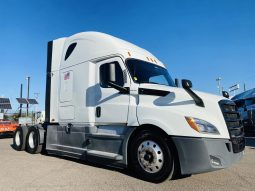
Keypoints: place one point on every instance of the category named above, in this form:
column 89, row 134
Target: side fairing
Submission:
column 55, row 49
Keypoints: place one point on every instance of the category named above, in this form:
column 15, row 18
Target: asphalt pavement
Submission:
column 23, row 171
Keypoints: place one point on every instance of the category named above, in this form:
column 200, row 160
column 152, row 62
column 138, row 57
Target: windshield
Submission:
column 145, row 72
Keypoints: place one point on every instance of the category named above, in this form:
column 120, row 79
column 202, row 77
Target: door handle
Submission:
column 98, row 111
column 68, row 128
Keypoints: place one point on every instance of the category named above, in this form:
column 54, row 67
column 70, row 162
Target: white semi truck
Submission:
column 109, row 101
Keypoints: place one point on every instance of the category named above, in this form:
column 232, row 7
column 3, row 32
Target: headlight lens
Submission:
column 201, row 126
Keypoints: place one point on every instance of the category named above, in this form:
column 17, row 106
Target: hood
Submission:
column 179, row 103
column 182, row 93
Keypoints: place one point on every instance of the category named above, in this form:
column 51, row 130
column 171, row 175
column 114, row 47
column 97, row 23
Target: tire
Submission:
column 19, row 138
column 32, row 141
column 151, row 156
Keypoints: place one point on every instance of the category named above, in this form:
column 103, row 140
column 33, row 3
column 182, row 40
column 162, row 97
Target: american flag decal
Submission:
column 67, row 76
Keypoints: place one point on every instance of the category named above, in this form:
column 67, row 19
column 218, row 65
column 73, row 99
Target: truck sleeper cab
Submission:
column 111, row 102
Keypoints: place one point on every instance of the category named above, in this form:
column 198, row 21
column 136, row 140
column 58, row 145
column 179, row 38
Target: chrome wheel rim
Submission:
column 31, row 140
column 150, row 156
column 17, row 138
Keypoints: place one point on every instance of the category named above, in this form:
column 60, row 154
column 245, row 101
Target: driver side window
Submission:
column 104, row 75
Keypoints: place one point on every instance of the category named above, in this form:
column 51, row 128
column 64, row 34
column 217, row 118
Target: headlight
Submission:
column 201, row 126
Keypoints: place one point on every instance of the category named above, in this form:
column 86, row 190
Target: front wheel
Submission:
column 151, row 156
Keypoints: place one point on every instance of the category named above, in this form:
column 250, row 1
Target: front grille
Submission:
column 234, row 124
column 229, row 108
column 231, row 116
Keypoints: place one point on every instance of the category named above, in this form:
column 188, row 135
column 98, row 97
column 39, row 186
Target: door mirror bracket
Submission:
column 123, row 90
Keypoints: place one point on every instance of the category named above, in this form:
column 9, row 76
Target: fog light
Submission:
column 215, row 161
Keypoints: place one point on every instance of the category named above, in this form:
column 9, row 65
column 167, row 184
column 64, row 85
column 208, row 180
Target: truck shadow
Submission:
column 124, row 171
column 6, row 136
column 94, row 96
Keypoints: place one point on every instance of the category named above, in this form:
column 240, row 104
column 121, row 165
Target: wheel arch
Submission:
column 150, row 127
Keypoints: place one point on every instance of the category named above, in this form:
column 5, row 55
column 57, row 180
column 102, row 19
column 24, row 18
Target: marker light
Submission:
column 201, row 126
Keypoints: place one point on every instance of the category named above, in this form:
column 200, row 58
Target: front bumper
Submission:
column 197, row 155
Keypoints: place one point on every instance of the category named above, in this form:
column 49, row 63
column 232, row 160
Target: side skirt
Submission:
column 106, row 144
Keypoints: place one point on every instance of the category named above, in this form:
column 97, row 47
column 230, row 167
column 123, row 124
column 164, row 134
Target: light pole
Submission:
column 28, row 86
column 20, row 109
column 36, row 96
column 218, row 81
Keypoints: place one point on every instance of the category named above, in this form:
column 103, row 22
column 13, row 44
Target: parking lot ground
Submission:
column 23, row 171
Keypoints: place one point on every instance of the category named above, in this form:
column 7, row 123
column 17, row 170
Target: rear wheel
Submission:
column 32, row 141
column 19, row 139
column 151, row 156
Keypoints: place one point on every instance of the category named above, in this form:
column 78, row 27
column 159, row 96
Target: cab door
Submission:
column 111, row 105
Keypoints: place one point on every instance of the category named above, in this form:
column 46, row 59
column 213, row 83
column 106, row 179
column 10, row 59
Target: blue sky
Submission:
column 198, row 40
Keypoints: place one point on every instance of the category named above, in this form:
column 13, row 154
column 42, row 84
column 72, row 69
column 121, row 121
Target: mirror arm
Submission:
column 187, row 85
column 196, row 98
column 119, row 88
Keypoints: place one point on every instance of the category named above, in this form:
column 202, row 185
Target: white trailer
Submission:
column 111, row 102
